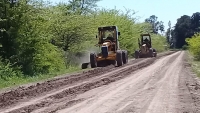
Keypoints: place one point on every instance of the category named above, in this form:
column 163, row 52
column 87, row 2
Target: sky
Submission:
column 165, row 10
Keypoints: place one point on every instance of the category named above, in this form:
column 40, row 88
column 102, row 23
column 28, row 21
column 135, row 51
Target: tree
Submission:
column 156, row 25
column 186, row 27
column 168, row 33
column 182, row 30
column 8, row 28
column 34, row 52
column 67, row 32
column 195, row 22
column 161, row 26
column 169, row 24
column 81, row 6
column 173, row 39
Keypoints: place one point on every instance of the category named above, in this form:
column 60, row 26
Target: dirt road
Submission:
column 154, row 89
column 162, row 87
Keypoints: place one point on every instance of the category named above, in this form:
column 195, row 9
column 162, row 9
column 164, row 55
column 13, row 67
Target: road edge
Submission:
column 192, row 83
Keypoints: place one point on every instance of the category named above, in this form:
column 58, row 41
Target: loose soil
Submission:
column 152, row 85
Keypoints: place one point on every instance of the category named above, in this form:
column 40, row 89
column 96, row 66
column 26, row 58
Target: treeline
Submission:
column 185, row 33
column 39, row 38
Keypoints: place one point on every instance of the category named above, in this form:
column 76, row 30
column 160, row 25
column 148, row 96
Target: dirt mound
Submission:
column 21, row 93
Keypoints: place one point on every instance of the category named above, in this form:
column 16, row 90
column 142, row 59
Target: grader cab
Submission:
column 110, row 52
column 145, row 47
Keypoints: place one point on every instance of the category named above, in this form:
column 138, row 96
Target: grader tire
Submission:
column 155, row 53
column 93, row 61
column 136, row 54
column 124, row 57
column 151, row 52
column 84, row 65
column 119, row 58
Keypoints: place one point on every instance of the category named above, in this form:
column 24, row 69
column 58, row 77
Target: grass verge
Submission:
column 16, row 81
column 194, row 63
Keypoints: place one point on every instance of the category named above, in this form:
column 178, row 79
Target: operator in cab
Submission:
column 146, row 41
column 110, row 37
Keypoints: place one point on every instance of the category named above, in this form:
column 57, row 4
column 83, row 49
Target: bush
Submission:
column 194, row 45
column 7, row 70
column 159, row 43
column 185, row 47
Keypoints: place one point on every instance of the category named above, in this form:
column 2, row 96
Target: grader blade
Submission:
column 85, row 65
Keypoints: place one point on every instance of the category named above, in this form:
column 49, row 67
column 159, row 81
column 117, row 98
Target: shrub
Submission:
column 194, row 45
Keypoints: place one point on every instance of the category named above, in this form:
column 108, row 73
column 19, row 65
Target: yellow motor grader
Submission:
column 145, row 47
column 110, row 52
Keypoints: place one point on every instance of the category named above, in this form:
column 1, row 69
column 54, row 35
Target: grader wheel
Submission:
column 155, row 53
column 151, row 54
column 137, row 54
column 125, row 57
column 93, row 61
column 119, row 58
column 84, row 65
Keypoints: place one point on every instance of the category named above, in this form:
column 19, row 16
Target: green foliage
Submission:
column 156, row 25
column 195, row 64
column 194, row 45
column 159, row 43
column 8, row 29
column 196, row 67
column 34, row 52
column 195, row 23
column 7, row 71
column 168, row 34
column 185, row 47
column 81, row 6
column 69, row 31
column 17, row 79
column 185, row 27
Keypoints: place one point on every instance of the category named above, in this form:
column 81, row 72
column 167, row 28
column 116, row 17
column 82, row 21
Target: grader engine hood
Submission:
column 144, row 45
column 143, row 48
column 104, row 49
column 106, row 44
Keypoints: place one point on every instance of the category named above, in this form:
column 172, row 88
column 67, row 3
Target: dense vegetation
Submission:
column 38, row 40
column 185, row 27
column 185, row 34
column 194, row 45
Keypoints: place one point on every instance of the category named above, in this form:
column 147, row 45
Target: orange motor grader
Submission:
column 145, row 47
column 110, row 52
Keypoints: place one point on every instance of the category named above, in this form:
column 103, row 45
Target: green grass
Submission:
column 196, row 67
column 16, row 81
column 195, row 64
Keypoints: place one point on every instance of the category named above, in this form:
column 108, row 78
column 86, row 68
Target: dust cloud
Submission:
column 85, row 56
